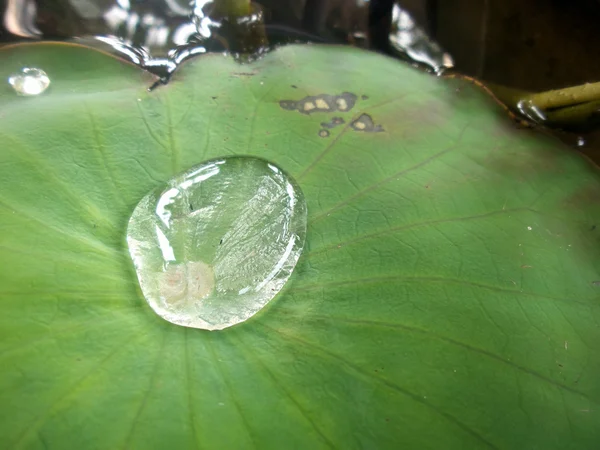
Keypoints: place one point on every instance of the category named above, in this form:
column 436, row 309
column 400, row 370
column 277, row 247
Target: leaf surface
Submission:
column 448, row 295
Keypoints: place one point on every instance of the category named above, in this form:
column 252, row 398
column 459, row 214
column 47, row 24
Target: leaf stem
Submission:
column 570, row 96
column 572, row 106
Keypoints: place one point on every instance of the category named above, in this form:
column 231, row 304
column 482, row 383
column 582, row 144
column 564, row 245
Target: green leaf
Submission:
column 448, row 296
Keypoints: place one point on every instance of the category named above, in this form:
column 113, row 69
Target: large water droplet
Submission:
column 30, row 81
column 215, row 244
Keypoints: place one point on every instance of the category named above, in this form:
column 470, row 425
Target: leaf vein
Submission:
column 388, row 384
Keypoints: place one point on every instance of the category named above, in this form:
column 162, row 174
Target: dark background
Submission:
column 531, row 44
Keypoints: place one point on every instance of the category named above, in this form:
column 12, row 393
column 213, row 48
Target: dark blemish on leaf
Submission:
column 595, row 283
column 365, row 123
column 334, row 122
column 290, row 105
column 221, row 241
column 214, row 98
column 243, row 74
column 345, row 101
column 294, row 86
column 593, row 228
column 320, row 103
column 191, row 207
column 364, row 97
column 323, row 133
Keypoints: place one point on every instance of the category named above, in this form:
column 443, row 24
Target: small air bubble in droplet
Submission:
column 30, row 81
column 580, row 141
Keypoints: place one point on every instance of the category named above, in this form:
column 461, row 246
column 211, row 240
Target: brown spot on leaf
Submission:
column 365, row 123
column 289, row 105
column 341, row 104
column 334, row 122
column 243, row 74
column 308, row 107
column 321, row 103
column 323, row 133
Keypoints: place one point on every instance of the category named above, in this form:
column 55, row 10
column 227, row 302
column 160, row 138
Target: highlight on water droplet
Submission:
column 30, row 81
column 215, row 244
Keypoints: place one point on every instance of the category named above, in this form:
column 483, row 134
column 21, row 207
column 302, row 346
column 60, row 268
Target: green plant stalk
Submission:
column 570, row 96
column 569, row 106
column 574, row 115
column 232, row 8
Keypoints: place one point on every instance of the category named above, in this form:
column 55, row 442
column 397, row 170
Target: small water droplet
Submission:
column 580, row 141
column 256, row 213
column 30, row 81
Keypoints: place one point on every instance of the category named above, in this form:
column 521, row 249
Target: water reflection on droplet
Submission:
column 144, row 39
column 580, row 141
column 30, row 81
column 215, row 244
column 408, row 39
